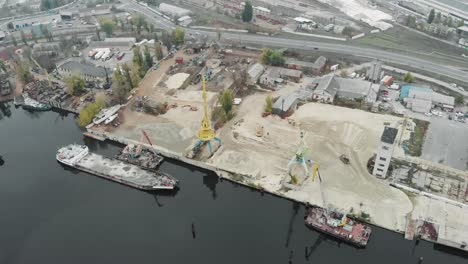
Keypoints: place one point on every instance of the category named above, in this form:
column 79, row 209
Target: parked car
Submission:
column 428, row 114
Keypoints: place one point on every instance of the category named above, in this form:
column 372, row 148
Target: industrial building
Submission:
column 375, row 72
column 90, row 73
column 384, row 152
column 327, row 88
column 316, row 67
column 173, row 11
column 28, row 22
column 423, row 99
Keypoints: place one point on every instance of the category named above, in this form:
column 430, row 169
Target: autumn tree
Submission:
column 268, row 104
column 23, row 72
column 408, row 78
column 137, row 58
column 135, row 75
column 120, row 87
column 179, row 36
column 75, row 84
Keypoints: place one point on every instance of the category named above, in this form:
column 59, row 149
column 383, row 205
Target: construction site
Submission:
column 176, row 105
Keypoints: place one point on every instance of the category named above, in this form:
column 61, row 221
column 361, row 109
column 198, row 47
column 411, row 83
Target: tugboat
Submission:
column 337, row 224
column 31, row 104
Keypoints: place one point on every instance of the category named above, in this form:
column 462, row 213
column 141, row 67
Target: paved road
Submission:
column 347, row 49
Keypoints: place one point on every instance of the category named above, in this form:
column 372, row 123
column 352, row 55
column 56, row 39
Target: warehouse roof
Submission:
column 73, row 66
column 284, row 103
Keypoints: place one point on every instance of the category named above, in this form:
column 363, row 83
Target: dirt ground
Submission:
column 174, row 130
column 329, row 132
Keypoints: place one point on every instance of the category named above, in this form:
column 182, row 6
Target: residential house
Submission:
column 316, row 67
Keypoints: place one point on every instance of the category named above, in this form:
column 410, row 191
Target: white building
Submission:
column 173, row 11
column 385, row 152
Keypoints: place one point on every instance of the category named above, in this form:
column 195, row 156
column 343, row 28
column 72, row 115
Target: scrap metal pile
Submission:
column 146, row 105
column 136, row 155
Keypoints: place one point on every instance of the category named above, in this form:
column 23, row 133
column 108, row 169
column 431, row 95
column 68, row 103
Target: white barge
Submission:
column 79, row 157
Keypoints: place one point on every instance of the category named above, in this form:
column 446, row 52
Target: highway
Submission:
column 340, row 48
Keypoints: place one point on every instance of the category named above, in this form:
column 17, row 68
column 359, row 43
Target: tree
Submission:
column 247, row 14
column 218, row 34
column 127, row 75
column 155, row 37
column 13, row 39
column 461, row 23
column 98, row 34
column 408, row 78
column 166, row 39
column 33, row 36
column 272, row 57
column 411, row 21
column 268, row 104
column 120, row 87
column 135, row 75
column 148, row 58
column 137, row 59
column 449, row 21
column 227, row 101
column 139, row 23
column 438, row 18
column 151, row 28
column 460, row 100
column 158, row 50
column 431, row 16
column 179, row 35
column 276, row 59
column 10, row 26
column 23, row 37
column 107, row 26
column 23, row 73
column 75, row 84
column 266, row 53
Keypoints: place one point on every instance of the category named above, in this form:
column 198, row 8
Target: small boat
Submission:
column 31, row 104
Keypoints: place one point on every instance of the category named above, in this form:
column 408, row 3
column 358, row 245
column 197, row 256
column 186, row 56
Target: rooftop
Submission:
column 389, row 134
column 84, row 69
column 328, row 84
column 285, row 102
column 256, row 70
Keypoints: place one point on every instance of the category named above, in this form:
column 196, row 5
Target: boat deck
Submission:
column 118, row 169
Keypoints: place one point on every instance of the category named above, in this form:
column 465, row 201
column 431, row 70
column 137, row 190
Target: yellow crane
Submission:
column 40, row 67
column 206, row 133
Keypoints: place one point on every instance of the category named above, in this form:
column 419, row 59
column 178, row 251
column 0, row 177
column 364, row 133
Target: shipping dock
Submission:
column 79, row 157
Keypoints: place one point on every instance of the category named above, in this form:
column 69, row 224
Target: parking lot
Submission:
column 447, row 143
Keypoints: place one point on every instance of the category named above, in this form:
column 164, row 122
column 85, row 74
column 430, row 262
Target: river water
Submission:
column 52, row 214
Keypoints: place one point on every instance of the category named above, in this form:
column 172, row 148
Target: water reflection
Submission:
column 295, row 210
column 5, row 110
column 210, row 181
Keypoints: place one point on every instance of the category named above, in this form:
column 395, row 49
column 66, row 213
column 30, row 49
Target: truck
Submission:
column 98, row 55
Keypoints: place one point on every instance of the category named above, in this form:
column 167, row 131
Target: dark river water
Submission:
column 52, row 214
